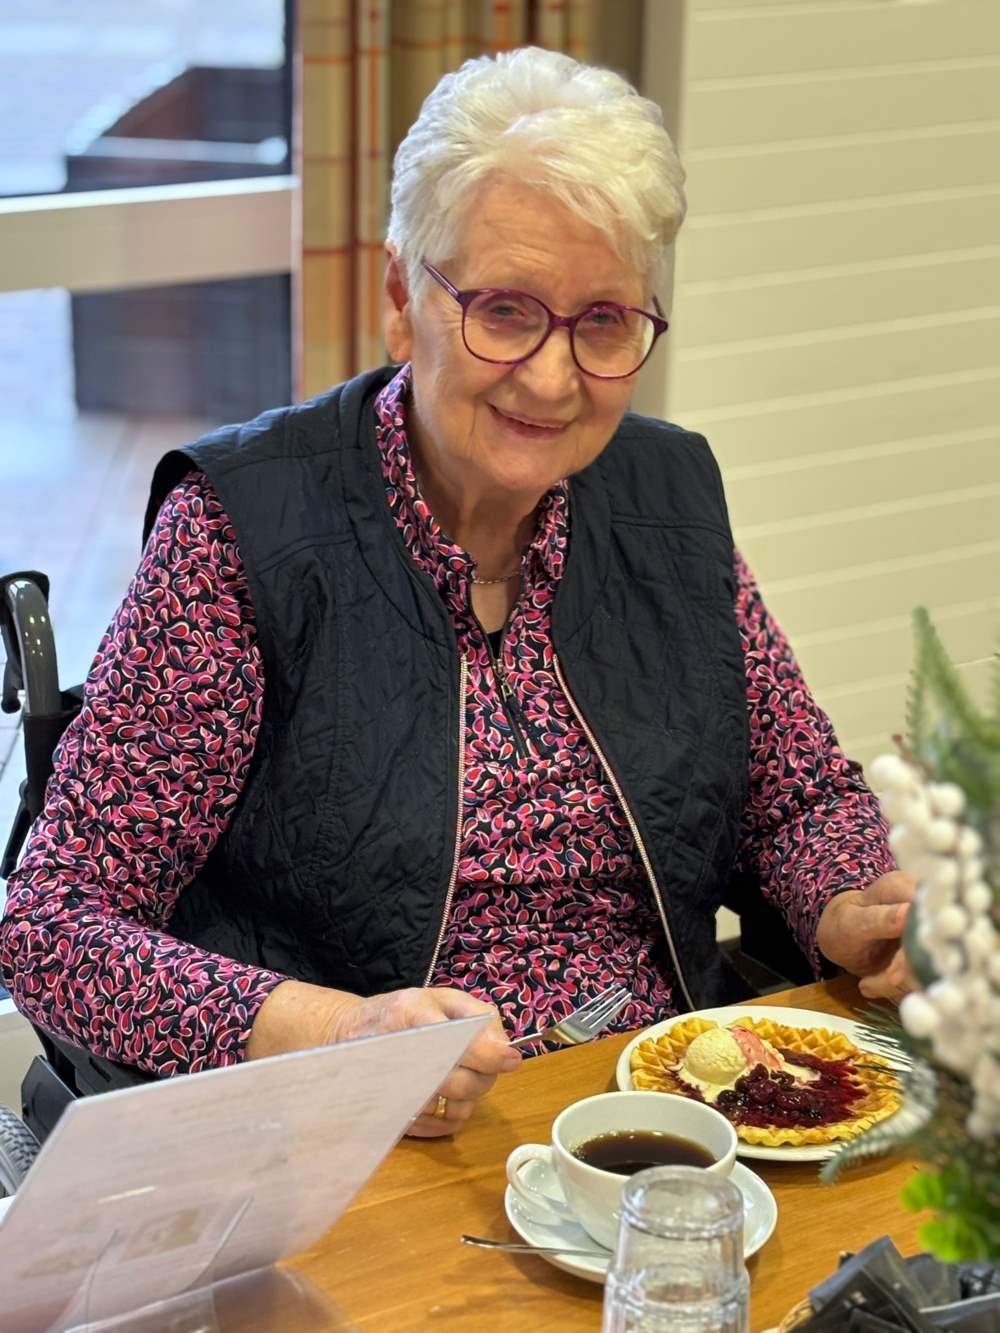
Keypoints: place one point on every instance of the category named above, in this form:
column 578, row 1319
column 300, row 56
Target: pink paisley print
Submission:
column 144, row 783
column 551, row 904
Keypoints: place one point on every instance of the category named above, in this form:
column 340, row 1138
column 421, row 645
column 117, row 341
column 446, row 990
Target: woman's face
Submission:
column 510, row 432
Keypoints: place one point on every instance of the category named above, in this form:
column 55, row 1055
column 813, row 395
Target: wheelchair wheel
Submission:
column 18, row 1149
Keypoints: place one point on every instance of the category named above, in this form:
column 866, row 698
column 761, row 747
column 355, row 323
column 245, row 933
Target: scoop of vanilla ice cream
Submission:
column 715, row 1057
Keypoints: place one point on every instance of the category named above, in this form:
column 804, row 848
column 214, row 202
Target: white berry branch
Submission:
column 958, row 1013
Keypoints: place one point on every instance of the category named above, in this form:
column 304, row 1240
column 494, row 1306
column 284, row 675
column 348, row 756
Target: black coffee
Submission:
column 627, row 1151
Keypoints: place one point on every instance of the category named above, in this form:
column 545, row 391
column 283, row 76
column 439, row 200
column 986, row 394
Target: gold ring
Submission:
column 441, row 1109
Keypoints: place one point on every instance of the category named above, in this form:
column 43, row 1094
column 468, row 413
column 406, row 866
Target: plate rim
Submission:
column 583, row 1267
column 815, row 1152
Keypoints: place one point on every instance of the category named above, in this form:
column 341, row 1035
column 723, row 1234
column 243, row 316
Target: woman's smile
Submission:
column 527, row 427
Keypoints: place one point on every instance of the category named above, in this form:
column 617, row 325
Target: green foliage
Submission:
column 965, row 1227
column 924, row 1190
column 955, row 740
column 937, row 678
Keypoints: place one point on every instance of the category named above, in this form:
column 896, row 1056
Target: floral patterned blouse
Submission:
column 551, row 903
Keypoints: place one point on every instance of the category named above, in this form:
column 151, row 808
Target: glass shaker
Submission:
column 678, row 1266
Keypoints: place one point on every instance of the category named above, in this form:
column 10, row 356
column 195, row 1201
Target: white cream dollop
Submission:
column 719, row 1057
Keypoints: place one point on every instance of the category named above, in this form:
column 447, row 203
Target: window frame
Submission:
column 106, row 240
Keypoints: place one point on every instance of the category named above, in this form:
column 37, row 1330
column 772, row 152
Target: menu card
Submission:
column 140, row 1195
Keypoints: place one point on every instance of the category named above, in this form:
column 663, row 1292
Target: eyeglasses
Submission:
column 607, row 340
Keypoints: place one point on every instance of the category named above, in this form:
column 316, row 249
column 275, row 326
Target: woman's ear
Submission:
column 396, row 326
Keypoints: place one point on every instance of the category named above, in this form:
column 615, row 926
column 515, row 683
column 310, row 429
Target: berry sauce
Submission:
column 772, row 1099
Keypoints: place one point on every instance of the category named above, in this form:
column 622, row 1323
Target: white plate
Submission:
column 761, row 1213
column 796, row 1018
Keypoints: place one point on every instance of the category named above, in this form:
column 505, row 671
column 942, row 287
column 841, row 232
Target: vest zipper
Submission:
column 463, row 680
column 640, row 845
column 519, row 722
column 509, row 703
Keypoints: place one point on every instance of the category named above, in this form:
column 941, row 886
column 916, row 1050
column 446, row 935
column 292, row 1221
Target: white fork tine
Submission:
column 608, row 1009
column 583, row 1023
column 598, row 1002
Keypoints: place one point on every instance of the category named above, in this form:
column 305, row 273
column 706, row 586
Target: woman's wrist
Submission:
column 296, row 1016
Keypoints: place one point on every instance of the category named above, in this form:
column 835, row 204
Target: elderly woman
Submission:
column 447, row 689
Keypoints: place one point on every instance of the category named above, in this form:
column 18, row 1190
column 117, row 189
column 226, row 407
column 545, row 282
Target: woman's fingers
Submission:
column 466, row 1085
column 461, row 1090
column 877, row 987
column 892, row 983
column 490, row 1052
column 429, row 1126
column 874, row 922
column 484, row 1059
column 895, row 887
column 457, row 1110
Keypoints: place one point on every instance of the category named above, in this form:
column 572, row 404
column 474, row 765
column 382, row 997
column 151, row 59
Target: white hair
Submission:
column 580, row 133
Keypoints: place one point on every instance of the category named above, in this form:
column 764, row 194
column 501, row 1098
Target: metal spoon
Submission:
column 517, row 1247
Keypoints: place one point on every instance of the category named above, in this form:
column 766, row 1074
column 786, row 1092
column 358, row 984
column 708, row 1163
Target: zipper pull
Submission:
column 510, row 705
column 515, row 713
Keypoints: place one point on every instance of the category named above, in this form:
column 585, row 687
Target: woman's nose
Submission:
column 551, row 373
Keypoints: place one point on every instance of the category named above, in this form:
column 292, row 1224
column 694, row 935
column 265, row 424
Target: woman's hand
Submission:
column 296, row 1016
column 860, row 930
column 487, row 1056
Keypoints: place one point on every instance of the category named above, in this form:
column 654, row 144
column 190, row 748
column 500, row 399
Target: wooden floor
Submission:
column 74, row 489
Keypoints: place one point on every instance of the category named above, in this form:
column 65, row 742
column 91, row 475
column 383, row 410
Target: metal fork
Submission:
column 584, row 1023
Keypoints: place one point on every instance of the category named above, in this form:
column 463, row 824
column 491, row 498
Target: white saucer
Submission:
column 761, row 1216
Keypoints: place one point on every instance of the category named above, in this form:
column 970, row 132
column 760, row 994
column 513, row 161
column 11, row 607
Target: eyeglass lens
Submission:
column 509, row 326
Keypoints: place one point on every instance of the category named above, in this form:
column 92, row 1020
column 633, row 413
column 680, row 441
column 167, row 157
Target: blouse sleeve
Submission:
column 811, row 827
column 145, row 781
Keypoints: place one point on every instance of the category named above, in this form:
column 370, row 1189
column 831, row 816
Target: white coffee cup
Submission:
column 592, row 1195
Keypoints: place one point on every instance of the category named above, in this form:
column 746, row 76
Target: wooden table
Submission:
column 394, row 1262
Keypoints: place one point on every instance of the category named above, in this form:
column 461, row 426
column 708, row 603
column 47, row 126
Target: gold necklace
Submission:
column 504, row 578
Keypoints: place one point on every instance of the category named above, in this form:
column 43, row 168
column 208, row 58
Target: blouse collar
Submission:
column 449, row 564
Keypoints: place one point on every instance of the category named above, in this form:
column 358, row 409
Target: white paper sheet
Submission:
column 138, row 1194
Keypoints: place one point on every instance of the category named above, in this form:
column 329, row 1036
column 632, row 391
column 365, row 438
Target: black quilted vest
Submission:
column 337, row 865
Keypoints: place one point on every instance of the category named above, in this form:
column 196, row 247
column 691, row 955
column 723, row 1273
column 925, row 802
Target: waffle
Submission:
column 654, row 1060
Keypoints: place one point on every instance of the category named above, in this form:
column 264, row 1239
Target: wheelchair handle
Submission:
column 35, row 646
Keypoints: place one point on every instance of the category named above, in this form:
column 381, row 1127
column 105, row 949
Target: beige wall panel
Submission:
column 749, row 111
column 869, row 534
column 822, row 604
column 837, row 322
column 856, row 167
column 830, row 661
column 865, row 355
column 812, row 423
column 833, row 486
column 791, row 39
column 925, row 220
column 770, row 305
column 785, row 6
